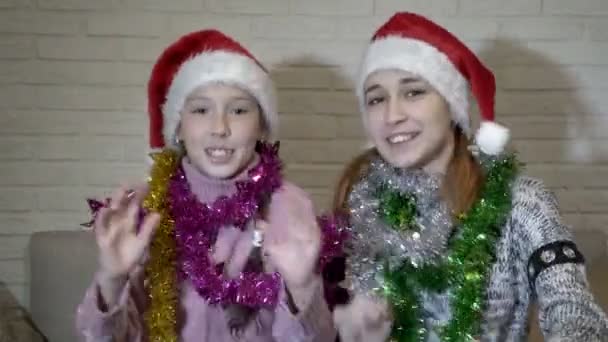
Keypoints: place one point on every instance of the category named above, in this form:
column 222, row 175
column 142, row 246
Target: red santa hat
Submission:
column 197, row 59
column 415, row 44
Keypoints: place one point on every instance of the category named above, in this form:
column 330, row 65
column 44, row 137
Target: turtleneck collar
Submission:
column 208, row 189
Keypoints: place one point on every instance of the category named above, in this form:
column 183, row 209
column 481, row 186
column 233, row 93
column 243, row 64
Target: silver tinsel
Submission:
column 375, row 241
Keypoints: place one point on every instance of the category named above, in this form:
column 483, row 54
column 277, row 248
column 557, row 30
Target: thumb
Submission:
column 148, row 227
column 342, row 317
column 240, row 254
column 224, row 244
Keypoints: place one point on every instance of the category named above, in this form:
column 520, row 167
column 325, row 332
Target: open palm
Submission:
column 292, row 238
column 121, row 247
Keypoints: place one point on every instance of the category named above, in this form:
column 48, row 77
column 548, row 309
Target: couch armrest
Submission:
column 62, row 264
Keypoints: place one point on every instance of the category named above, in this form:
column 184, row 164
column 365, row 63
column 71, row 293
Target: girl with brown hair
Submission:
column 450, row 241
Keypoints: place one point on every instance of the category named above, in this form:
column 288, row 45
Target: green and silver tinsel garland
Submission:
column 433, row 257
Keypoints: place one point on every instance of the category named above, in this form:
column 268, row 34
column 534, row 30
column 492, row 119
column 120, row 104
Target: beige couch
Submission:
column 63, row 262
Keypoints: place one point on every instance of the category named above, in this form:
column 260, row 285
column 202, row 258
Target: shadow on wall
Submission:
column 543, row 100
column 320, row 124
column 554, row 113
column 15, row 323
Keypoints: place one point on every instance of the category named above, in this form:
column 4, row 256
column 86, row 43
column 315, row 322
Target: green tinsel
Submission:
column 397, row 209
column 464, row 269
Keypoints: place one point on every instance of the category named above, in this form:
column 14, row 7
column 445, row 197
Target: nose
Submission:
column 395, row 113
column 220, row 125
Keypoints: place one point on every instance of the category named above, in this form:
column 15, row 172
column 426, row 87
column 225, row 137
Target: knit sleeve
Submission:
column 123, row 322
column 313, row 323
column 556, row 271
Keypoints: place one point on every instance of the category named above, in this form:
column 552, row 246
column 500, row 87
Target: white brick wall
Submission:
column 73, row 74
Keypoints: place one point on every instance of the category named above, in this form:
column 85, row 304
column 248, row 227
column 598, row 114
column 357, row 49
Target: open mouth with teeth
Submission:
column 218, row 154
column 401, row 138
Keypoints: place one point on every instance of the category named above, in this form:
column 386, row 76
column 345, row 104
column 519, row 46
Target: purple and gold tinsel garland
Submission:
column 161, row 315
column 188, row 229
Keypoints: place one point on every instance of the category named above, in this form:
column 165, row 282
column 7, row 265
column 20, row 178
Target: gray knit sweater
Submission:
column 567, row 310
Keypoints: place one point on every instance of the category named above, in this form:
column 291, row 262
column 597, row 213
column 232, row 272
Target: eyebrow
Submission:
column 408, row 80
column 201, row 97
column 196, row 97
column 244, row 98
column 371, row 88
column 405, row 80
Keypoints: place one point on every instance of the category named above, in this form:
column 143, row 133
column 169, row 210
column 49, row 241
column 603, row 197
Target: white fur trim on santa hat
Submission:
column 491, row 138
column 225, row 67
column 424, row 60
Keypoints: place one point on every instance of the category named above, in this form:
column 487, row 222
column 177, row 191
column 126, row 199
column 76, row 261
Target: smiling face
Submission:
column 408, row 121
column 220, row 125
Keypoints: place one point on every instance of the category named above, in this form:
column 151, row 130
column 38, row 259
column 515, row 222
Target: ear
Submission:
column 264, row 134
column 178, row 130
column 264, row 129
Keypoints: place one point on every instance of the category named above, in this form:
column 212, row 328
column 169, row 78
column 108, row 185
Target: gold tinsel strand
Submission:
column 161, row 315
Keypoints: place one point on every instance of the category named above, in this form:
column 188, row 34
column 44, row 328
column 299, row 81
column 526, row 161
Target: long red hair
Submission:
column 460, row 188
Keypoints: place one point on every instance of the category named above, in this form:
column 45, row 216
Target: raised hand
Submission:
column 292, row 237
column 363, row 320
column 121, row 247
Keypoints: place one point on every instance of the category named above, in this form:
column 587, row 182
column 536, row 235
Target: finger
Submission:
column 116, row 227
column 240, row 256
column 377, row 317
column 385, row 331
column 344, row 324
column 364, row 307
column 386, row 312
column 340, row 315
column 279, row 231
column 383, row 307
column 138, row 193
column 118, row 199
column 224, row 244
column 278, row 215
column 371, row 315
column 102, row 222
column 296, row 201
column 261, row 225
column 291, row 214
column 148, row 227
column 135, row 199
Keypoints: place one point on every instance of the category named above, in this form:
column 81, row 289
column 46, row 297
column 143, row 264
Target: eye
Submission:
column 374, row 101
column 240, row 111
column 415, row 92
column 200, row 110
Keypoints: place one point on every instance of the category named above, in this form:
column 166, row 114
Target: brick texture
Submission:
column 73, row 96
column 500, row 8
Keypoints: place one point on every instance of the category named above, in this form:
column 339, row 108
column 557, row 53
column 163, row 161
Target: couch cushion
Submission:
column 62, row 266
column 63, row 263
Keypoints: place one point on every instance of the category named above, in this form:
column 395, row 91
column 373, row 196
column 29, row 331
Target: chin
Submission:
column 403, row 163
column 225, row 171
column 399, row 160
column 222, row 172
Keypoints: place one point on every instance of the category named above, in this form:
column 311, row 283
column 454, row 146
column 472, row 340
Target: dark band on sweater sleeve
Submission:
column 551, row 254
